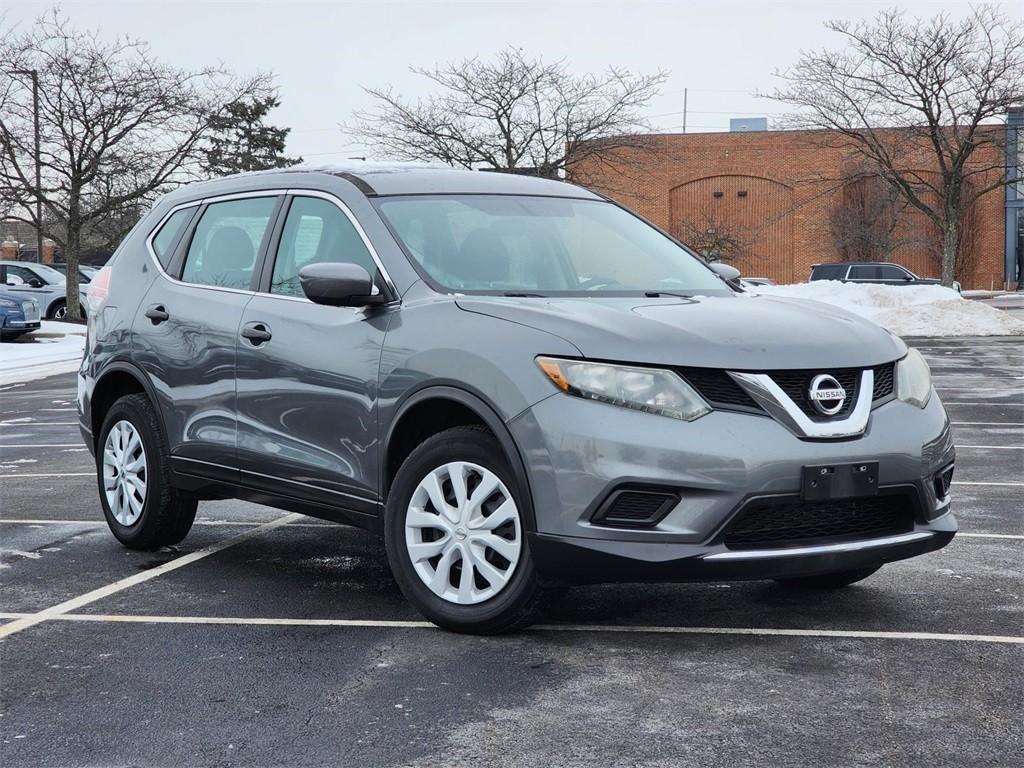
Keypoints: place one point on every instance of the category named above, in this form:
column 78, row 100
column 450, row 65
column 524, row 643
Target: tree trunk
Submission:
column 71, row 251
column 950, row 245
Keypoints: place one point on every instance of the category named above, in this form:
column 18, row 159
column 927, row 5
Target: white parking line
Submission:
column 967, row 482
column 33, row 422
column 981, row 402
column 987, row 423
column 103, row 523
column 990, row 535
column 41, row 445
column 994, row 447
column 179, row 562
column 50, row 474
column 588, row 628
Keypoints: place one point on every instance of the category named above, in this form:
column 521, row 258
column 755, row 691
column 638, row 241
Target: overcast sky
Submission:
column 324, row 53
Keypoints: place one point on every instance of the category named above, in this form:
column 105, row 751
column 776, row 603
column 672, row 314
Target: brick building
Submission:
column 777, row 191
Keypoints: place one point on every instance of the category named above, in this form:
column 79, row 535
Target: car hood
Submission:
column 742, row 332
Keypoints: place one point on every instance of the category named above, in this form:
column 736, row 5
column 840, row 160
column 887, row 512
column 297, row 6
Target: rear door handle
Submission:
column 256, row 333
column 157, row 314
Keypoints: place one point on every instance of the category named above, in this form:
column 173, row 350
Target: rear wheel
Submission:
column 133, row 471
column 830, row 580
column 455, row 535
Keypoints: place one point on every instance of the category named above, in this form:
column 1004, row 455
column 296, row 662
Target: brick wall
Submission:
column 777, row 189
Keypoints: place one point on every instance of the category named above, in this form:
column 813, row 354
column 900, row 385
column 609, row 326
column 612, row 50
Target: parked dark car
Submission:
column 515, row 381
column 881, row 272
column 18, row 315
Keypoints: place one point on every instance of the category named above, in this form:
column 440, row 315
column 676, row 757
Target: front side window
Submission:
column 316, row 231
column 170, row 232
column 547, row 245
column 893, row 273
column 226, row 241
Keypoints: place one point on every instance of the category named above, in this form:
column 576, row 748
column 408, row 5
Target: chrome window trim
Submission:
column 820, row 549
column 777, row 404
column 263, row 193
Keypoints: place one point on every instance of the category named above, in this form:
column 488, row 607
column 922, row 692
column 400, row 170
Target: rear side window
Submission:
column 169, row 234
column 865, row 273
column 226, row 241
column 316, row 231
column 829, row 272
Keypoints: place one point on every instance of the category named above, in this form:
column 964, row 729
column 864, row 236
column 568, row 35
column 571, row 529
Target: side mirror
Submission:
column 35, row 282
column 724, row 271
column 339, row 285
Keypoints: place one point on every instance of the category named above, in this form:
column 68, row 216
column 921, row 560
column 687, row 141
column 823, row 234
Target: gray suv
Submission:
column 515, row 381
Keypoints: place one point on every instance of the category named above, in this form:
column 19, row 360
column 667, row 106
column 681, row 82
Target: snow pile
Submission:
column 54, row 348
column 907, row 310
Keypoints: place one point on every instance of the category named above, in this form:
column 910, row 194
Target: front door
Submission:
column 187, row 326
column 307, row 373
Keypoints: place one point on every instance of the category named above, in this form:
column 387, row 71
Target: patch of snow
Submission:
column 907, row 310
column 55, row 348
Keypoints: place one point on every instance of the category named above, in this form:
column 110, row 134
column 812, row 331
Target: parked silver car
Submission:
column 513, row 380
column 42, row 282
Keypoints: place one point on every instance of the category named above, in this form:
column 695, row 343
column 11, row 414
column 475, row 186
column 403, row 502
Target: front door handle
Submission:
column 157, row 314
column 256, row 333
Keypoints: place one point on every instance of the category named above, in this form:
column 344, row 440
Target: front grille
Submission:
column 780, row 523
column 883, row 380
column 717, row 387
column 634, row 508
column 720, row 389
column 796, row 384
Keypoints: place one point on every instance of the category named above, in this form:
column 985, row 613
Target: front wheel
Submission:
column 455, row 535
column 830, row 580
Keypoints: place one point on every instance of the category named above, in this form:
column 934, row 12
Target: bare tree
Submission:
column 515, row 114
column 117, row 128
column 713, row 238
column 866, row 221
column 920, row 99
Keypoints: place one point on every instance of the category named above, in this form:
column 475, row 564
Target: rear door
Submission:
column 185, row 332
column 307, row 373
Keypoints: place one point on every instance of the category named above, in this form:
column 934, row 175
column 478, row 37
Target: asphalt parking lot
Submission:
column 273, row 639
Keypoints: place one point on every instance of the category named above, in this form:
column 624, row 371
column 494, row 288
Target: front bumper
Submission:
column 577, row 560
column 578, row 452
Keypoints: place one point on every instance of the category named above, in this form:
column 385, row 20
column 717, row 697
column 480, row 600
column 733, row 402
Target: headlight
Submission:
column 8, row 304
column 643, row 389
column 913, row 379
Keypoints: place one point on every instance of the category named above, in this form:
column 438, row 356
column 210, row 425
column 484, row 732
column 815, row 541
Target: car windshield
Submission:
column 510, row 244
column 48, row 273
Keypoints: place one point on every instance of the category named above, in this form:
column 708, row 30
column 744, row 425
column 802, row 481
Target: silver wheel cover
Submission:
column 124, row 472
column 463, row 533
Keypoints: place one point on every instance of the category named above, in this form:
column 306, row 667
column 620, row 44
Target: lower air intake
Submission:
column 780, row 523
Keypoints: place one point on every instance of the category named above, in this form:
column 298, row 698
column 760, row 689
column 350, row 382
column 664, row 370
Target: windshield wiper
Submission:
column 524, row 295
column 660, row 294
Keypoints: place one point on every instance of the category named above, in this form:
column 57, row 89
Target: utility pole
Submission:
column 34, row 74
column 684, row 108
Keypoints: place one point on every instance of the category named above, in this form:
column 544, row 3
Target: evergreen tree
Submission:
column 241, row 141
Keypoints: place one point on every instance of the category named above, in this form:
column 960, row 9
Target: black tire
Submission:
column 830, row 580
column 516, row 603
column 167, row 513
column 58, row 311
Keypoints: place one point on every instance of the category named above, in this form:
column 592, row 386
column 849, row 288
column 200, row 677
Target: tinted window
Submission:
column 228, row 237
column 507, row 243
column 315, row 231
column 829, row 272
column 167, row 237
column 893, row 273
column 865, row 273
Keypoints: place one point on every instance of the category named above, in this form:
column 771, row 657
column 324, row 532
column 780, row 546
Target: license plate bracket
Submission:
column 822, row 482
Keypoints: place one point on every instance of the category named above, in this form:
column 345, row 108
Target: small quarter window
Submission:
column 226, row 241
column 316, row 231
column 169, row 234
